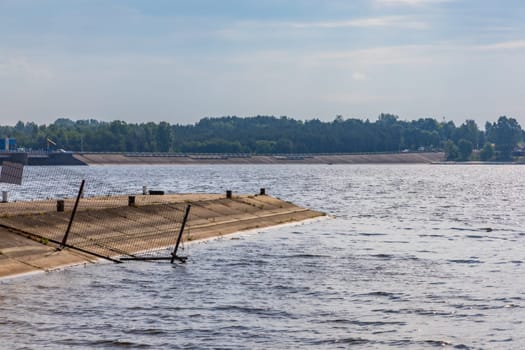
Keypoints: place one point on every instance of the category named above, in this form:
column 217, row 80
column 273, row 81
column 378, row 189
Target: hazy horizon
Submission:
column 178, row 61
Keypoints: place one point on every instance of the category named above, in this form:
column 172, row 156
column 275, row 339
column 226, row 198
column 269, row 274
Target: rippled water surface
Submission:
column 417, row 257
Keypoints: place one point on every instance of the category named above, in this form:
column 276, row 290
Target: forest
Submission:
column 275, row 135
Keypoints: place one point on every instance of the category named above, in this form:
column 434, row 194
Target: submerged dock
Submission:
column 31, row 232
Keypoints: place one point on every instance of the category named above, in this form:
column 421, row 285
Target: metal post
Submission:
column 183, row 224
column 64, row 240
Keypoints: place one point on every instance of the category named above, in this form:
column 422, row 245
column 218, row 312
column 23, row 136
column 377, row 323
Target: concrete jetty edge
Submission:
column 23, row 224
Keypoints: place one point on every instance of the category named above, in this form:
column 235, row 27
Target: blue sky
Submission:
column 179, row 61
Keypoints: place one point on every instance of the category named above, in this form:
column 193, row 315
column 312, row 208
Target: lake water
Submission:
column 417, row 257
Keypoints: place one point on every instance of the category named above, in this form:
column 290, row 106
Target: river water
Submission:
column 417, row 257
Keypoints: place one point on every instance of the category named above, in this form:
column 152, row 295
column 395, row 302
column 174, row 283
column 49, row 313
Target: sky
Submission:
column 180, row 61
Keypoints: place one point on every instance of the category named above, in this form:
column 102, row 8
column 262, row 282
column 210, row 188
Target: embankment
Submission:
column 26, row 226
column 371, row 158
column 86, row 158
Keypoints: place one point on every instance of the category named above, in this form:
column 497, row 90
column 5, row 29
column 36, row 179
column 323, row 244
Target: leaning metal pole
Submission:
column 80, row 191
column 183, row 224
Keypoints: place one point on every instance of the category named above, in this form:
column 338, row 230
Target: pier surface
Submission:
column 23, row 224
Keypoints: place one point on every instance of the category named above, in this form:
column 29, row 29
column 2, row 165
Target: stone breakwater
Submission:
column 23, row 250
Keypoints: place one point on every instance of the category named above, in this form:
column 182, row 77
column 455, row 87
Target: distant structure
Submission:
column 7, row 144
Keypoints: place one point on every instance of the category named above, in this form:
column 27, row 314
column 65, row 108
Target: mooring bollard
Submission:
column 263, row 192
column 156, row 192
column 131, row 201
column 4, row 196
column 60, row 205
column 144, row 190
column 229, row 194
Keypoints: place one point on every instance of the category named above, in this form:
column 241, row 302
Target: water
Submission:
column 417, row 257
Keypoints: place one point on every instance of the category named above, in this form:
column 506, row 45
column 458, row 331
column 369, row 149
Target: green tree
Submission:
column 266, row 134
column 283, row 146
column 468, row 131
column 451, row 150
column 164, row 137
column 265, row 146
column 487, row 152
column 464, row 149
column 506, row 133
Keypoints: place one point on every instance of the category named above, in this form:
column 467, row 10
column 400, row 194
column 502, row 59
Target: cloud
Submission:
column 358, row 76
column 20, row 67
column 410, row 2
column 505, row 45
column 383, row 55
column 247, row 29
column 366, row 22
column 359, row 98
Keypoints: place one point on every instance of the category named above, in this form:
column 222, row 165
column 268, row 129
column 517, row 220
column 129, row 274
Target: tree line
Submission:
column 275, row 135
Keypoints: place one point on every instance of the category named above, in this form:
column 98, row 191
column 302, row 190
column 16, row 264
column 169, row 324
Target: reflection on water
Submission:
column 417, row 257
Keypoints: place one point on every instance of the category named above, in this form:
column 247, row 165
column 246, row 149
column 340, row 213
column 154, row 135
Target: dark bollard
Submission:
column 60, row 205
column 263, row 192
column 131, row 201
column 229, row 194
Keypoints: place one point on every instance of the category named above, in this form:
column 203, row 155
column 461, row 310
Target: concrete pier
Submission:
column 212, row 215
